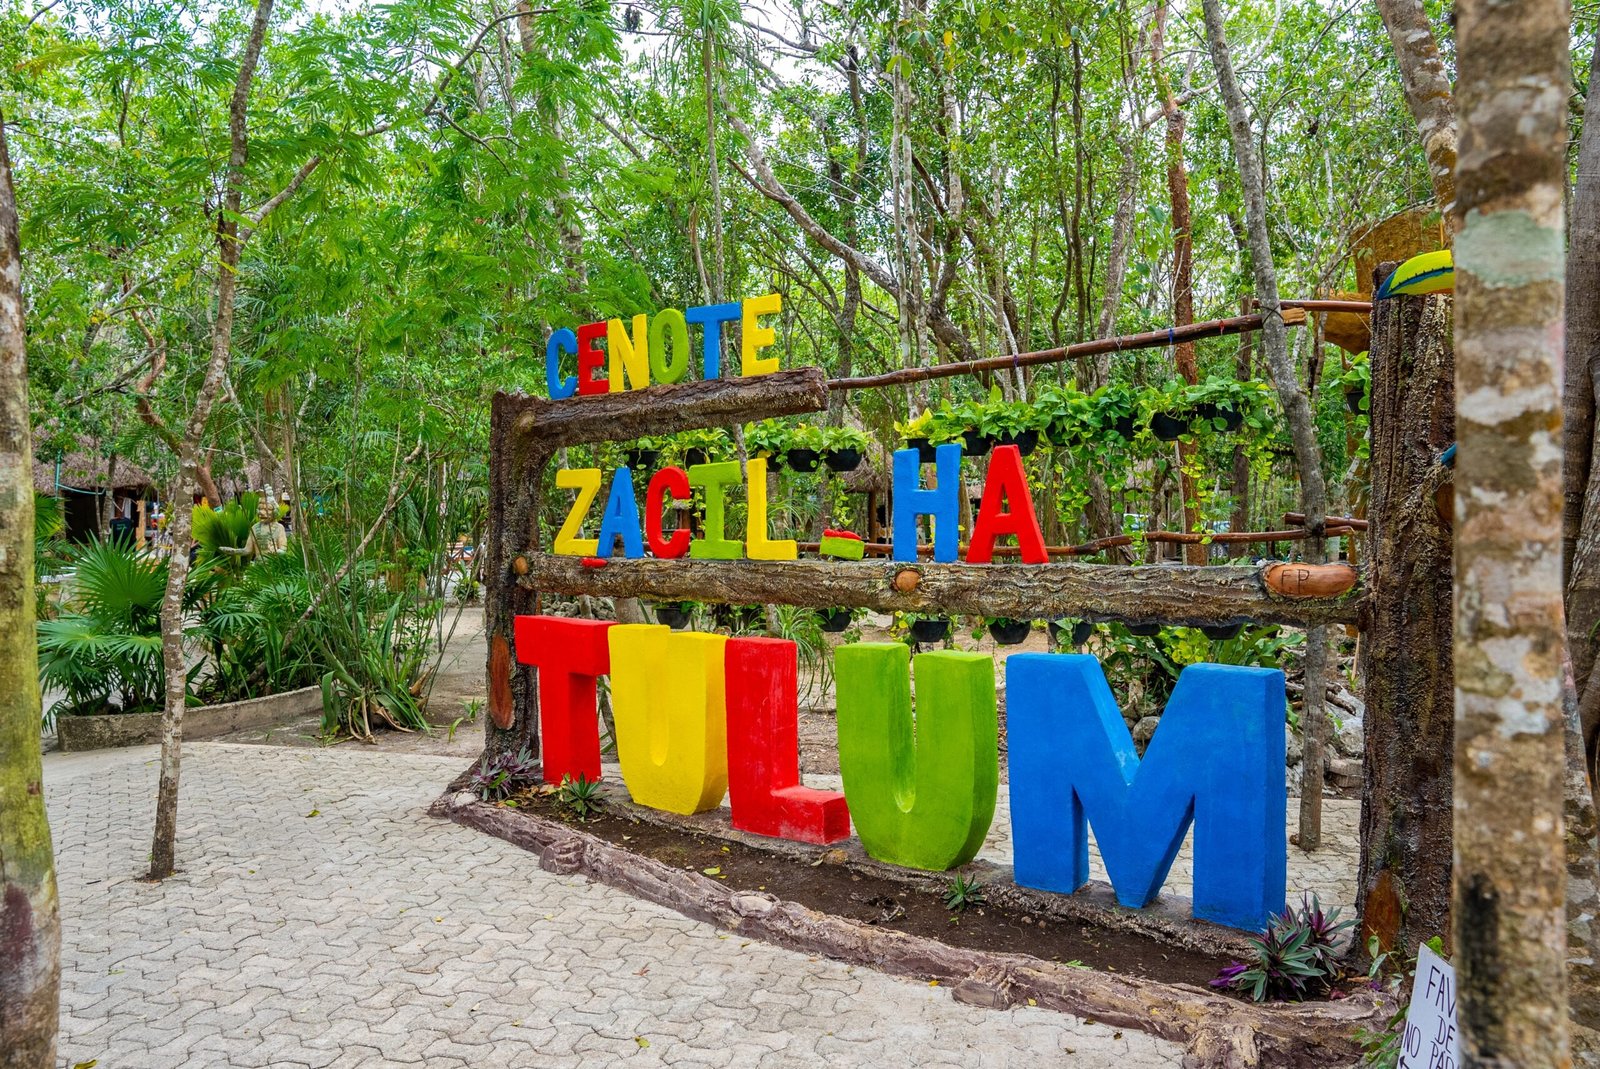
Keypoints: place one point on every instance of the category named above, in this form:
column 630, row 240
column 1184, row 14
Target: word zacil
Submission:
column 1006, row 509
column 634, row 362
column 702, row 715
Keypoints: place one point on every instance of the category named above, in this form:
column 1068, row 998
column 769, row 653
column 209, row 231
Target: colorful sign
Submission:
column 699, row 716
column 657, row 349
column 1006, row 510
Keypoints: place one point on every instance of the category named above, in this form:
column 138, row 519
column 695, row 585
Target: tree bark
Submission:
column 1510, row 877
column 1403, row 889
column 1296, row 408
column 163, row 850
column 30, row 920
column 1426, row 84
column 1580, row 514
column 1172, row 594
column 1583, row 890
column 1182, row 267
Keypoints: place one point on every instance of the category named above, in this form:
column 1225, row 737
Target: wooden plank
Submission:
column 1144, row 593
column 616, row 417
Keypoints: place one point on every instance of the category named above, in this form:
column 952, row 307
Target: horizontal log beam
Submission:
column 613, row 417
column 1170, row 594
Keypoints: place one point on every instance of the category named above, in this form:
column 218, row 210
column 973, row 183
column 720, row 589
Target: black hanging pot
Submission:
column 848, row 459
column 691, row 457
column 1144, row 630
column 1076, row 635
column 1232, row 419
column 975, row 443
column 774, row 461
column 1010, row 632
column 930, row 630
column 1126, row 427
column 924, row 448
column 834, row 620
column 1353, row 398
column 1168, row 426
column 1026, row 442
column 675, row 616
column 804, row 459
column 1222, row 631
column 642, row 458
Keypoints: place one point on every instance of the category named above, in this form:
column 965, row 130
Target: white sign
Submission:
column 1429, row 1039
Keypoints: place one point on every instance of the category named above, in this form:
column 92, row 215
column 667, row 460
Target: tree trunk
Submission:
column 1426, row 84
column 1403, row 891
column 1296, row 408
column 1580, row 514
column 1510, row 878
column 1583, row 890
column 1182, row 269
column 30, row 921
column 163, row 850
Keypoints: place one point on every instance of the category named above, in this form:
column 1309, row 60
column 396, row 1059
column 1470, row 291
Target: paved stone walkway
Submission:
column 322, row 919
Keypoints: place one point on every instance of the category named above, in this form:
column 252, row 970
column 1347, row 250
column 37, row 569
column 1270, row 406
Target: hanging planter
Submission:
column 774, row 461
column 930, row 630
column 803, row 459
column 1144, row 630
column 843, row 459
column 1025, row 441
column 1126, row 427
column 1075, row 635
column 834, row 620
column 975, row 443
column 924, row 449
column 694, row 456
column 1353, row 396
column 643, row 458
column 675, row 614
column 1009, row 632
column 1168, row 426
column 1232, row 419
column 1220, row 632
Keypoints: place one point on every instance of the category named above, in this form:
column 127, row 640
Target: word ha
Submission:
column 703, row 716
column 631, row 363
column 1006, row 509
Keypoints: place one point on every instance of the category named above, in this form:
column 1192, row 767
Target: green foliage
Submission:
column 216, row 530
column 104, row 653
column 498, row 776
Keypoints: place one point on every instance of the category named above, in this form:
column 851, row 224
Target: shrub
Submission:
column 1295, row 958
column 496, row 777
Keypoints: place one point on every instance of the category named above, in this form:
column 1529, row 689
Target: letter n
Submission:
column 1216, row 762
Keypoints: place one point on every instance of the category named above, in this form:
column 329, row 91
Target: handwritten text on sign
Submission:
column 1429, row 1041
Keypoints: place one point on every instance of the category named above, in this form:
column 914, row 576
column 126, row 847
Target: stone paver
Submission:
column 369, row 934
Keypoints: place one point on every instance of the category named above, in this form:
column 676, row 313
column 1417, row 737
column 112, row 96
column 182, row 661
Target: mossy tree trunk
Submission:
column 1510, row 871
column 30, row 923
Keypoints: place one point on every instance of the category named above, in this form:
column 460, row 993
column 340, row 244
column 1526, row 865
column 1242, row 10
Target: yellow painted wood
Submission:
column 587, row 482
column 757, row 546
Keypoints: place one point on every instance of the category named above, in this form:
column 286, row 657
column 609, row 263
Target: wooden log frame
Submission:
column 1171, row 594
column 526, row 433
column 1216, row 1030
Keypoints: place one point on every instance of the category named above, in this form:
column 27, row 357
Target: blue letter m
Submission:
column 1216, row 762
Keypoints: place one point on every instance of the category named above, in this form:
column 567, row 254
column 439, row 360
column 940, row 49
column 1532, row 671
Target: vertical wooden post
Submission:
column 517, row 466
column 1403, row 889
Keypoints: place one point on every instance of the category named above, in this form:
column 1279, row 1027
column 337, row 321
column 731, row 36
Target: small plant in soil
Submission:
column 963, row 893
column 1295, row 958
column 497, row 777
column 581, row 796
